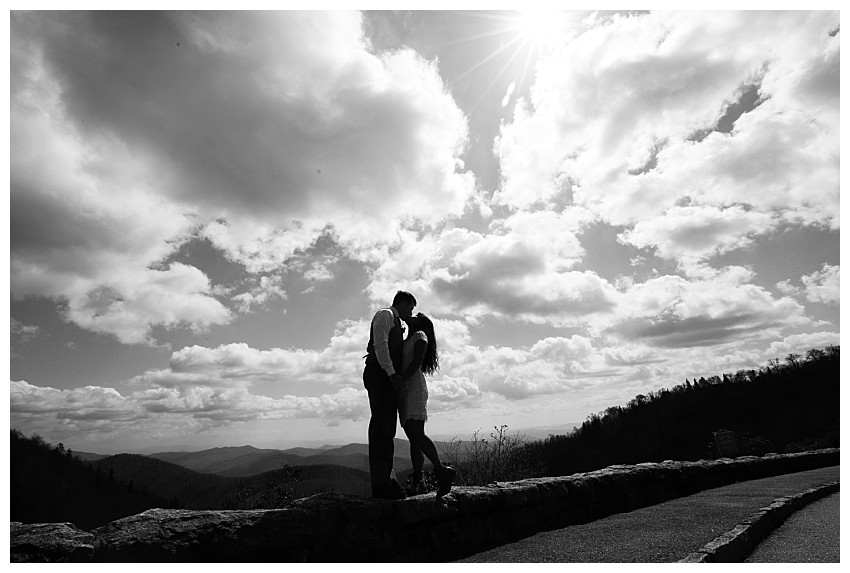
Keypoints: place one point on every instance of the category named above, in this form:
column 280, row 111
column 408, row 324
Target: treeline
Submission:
column 781, row 407
column 266, row 490
column 49, row 484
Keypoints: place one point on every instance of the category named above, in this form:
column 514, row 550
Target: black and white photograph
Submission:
column 525, row 283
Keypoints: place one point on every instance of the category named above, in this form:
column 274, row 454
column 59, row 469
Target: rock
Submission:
column 348, row 528
column 185, row 535
column 49, row 542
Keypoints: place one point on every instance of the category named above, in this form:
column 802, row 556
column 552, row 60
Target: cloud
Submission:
column 550, row 366
column 695, row 233
column 71, row 240
column 466, row 370
column 453, row 393
column 21, row 331
column 105, row 413
column 89, row 403
column 519, row 270
column 674, row 312
column 820, row 286
column 229, row 405
column 265, row 289
column 237, row 365
column 134, row 132
column 630, row 354
column 80, row 235
column 612, row 123
column 801, row 343
column 128, row 306
column 823, row 286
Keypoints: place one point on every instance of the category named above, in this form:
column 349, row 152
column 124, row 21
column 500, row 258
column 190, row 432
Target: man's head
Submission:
column 404, row 303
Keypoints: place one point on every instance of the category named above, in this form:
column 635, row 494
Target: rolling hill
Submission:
column 195, row 490
column 243, row 461
column 220, row 460
column 50, row 484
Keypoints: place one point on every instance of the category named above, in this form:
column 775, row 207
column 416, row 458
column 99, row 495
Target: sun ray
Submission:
column 496, row 77
column 487, row 59
column 471, row 38
column 529, row 55
column 530, row 33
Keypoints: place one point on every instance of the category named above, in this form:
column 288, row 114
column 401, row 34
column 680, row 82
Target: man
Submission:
column 381, row 373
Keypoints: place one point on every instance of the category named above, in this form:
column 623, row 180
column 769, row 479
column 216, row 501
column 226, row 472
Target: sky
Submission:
column 207, row 208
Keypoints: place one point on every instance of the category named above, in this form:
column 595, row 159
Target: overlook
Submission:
column 755, row 406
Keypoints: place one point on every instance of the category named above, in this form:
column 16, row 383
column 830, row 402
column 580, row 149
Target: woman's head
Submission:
column 431, row 361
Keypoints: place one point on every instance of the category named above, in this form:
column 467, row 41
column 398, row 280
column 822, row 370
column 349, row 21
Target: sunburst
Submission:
column 541, row 29
column 525, row 36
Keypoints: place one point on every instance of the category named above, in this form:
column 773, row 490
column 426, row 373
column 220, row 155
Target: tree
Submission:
column 814, row 354
column 793, row 360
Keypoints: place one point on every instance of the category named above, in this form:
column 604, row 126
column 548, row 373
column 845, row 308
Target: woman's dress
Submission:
column 412, row 394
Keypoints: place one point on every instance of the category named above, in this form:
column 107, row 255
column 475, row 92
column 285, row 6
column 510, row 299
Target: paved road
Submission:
column 661, row 533
column 810, row 535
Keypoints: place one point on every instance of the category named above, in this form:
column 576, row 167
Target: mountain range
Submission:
column 242, row 461
column 203, row 479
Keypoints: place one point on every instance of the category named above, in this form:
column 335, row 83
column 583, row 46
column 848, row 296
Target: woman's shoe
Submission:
column 416, row 488
column 445, row 477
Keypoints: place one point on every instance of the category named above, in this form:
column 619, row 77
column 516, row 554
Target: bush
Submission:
column 278, row 491
column 502, row 458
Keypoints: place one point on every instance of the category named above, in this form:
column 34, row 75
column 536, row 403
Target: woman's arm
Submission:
column 419, row 348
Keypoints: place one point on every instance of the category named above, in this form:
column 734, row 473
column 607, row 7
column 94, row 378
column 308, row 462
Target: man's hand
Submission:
column 396, row 379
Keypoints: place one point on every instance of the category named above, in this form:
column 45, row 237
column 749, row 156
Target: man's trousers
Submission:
column 382, row 425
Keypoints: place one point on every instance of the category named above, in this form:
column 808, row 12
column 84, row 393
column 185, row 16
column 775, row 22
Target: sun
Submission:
column 540, row 28
column 524, row 37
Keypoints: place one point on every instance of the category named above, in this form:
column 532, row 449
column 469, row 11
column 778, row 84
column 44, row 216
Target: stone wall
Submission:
column 337, row 527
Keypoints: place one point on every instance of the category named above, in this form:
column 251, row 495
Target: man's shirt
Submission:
column 382, row 323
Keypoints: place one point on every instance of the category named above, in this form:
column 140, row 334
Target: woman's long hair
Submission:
column 431, row 361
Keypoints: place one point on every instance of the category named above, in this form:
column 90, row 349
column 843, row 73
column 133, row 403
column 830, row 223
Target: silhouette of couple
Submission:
column 394, row 377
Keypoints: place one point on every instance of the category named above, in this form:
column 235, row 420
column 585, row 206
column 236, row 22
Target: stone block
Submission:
column 49, row 543
column 474, row 500
column 185, row 535
column 732, row 546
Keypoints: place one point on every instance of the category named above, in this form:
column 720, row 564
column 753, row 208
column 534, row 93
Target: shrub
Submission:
column 502, row 458
column 277, row 492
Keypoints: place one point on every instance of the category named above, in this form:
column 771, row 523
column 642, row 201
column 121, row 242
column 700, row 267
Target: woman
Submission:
column 419, row 357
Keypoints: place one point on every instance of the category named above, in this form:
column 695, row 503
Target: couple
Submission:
column 394, row 377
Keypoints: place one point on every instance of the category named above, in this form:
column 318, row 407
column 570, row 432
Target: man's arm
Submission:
column 382, row 323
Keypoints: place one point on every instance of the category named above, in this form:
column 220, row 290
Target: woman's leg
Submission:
column 415, row 430
column 417, row 458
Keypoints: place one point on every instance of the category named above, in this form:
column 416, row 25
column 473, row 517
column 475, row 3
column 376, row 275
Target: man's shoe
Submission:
column 391, row 491
column 445, row 477
column 396, row 490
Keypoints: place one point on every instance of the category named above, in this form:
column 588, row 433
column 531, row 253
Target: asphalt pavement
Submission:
column 662, row 533
column 810, row 535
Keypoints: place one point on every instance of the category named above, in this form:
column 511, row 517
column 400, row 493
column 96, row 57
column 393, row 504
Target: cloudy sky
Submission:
column 207, row 208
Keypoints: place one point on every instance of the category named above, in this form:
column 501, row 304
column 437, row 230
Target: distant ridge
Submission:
column 530, row 434
column 88, row 456
column 195, row 490
column 243, row 461
column 227, row 460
